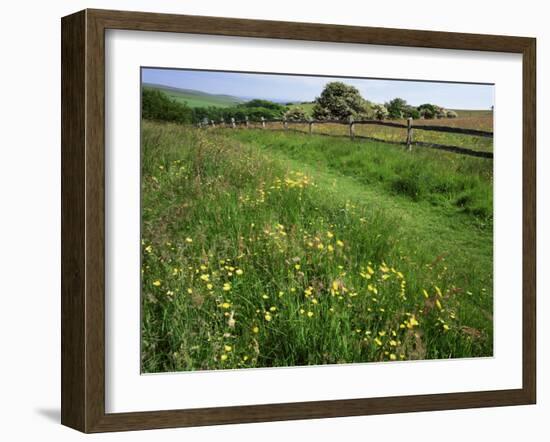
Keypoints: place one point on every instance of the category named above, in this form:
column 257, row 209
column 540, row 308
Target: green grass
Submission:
column 263, row 249
column 196, row 98
column 307, row 108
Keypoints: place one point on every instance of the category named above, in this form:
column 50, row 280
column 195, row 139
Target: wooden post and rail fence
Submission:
column 351, row 123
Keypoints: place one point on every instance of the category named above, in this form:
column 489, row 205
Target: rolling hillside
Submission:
column 195, row 98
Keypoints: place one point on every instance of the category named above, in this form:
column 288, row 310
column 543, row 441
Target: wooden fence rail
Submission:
column 351, row 123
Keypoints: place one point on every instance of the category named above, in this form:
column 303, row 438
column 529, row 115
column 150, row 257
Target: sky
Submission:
column 283, row 88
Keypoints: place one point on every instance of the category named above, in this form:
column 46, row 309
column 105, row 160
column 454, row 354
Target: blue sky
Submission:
column 304, row 88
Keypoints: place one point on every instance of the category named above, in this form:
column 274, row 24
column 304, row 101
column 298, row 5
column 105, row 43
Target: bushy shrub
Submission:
column 440, row 112
column 411, row 112
column 396, row 108
column 451, row 114
column 252, row 110
column 265, row 104
column 427, row 110
column 295, row 114
column 156, row 105
column 339, row 101
column 379, row 112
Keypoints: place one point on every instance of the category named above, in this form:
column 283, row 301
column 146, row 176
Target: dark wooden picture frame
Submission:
column 83, row 219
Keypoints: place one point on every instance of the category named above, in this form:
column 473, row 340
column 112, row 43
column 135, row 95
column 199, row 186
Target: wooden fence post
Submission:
column 310, row 127
column 409, row 133
column 213, row 124
column 233, row 122
column 246, row 121
column 285, row 124
column 351, row 128
column 263, row 123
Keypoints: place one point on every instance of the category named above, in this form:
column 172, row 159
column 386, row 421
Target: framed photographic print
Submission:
column 267, row 220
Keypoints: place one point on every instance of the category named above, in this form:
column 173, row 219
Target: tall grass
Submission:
column 257, row 255
column 446, row 179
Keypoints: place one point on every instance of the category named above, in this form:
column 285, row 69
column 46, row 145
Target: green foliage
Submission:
column 265, row 104
column 411, row 112
column 254, row 110
column 156, row 105
column 295, row 114
column 428, row 111
column 379, row 112
column 339, row 101
column 396, row 108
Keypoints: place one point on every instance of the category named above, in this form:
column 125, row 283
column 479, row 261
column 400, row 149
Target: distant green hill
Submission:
column 195, row 98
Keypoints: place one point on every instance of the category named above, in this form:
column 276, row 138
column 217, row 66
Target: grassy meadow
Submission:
column 268, row 248
column 193, row 98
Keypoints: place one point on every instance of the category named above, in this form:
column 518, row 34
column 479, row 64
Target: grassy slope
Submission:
column 264, row 203
column 197, row 98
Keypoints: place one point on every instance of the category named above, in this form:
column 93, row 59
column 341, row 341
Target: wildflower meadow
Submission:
column 265, row 248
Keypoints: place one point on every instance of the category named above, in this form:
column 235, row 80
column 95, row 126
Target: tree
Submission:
column 428, row 111
column 156, row 105
column 339, row 101
column 396, row 108
column 379, row 112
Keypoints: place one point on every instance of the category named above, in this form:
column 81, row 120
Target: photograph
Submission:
column 303, row 220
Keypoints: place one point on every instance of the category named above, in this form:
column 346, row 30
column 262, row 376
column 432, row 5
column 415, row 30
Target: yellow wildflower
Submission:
column 227, row 348
column 309, row 314
column 188, row 240
column 223, row 357
column 267, row 317
column 157, row 283
column 239, row 272
column 256, row 329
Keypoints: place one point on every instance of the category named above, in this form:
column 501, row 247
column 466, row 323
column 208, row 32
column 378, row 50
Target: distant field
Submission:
column 394, row 134
column 481, row 121
column 197, row 98
column 307, row 107
column 473, row 112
